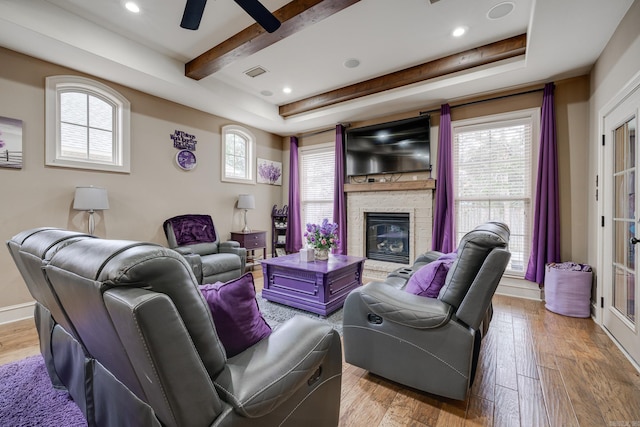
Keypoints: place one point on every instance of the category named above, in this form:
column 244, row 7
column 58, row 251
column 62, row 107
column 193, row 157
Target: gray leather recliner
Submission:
column 196, row 238
column 124, row 328
column 431, row 344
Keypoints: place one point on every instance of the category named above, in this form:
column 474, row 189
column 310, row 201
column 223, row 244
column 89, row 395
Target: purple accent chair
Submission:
column 195, row 238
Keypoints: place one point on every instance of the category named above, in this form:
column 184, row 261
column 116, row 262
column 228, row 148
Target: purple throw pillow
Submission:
column 428, row 280
column 235, row 312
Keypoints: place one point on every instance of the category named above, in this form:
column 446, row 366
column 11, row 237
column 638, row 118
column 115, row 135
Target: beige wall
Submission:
column 572, row 115
column 617, row 66
column 155, row 189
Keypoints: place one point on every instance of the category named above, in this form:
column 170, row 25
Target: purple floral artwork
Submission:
column 269, row 172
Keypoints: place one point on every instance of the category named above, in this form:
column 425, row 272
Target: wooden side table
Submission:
column 252, row 241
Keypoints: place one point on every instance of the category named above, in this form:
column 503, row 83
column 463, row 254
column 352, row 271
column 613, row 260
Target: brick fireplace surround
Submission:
column 412, row 197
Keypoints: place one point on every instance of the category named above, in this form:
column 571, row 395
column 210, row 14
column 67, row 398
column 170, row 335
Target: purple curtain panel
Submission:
column 339, row 201
column 294, row 227
column 443, row 222
column 545, row 247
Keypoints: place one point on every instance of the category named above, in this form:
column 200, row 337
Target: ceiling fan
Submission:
column 195, row 8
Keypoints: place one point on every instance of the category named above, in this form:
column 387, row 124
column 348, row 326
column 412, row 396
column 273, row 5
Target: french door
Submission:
column 622, row 233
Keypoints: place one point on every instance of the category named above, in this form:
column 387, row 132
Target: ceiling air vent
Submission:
column 255, row 71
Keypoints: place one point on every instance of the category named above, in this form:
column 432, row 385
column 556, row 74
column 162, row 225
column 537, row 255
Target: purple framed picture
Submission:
column 186, row 160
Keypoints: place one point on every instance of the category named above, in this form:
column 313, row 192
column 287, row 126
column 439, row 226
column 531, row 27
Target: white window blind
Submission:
column 492, row 181
column 86, row 127
column 317, row 174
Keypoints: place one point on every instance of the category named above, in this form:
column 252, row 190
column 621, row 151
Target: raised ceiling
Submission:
column 148, row 51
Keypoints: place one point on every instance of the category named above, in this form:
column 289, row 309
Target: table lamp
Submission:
column 246, row 202
column 91, row 199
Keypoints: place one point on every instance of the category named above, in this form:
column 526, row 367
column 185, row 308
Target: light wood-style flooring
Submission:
column 536, row 368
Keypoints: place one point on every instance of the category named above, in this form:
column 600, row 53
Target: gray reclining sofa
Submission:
column 124, row 328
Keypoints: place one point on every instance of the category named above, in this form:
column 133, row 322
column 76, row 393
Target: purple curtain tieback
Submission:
column 192, row 229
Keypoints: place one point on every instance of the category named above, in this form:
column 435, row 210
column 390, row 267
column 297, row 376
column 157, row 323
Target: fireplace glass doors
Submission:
column 387, row 237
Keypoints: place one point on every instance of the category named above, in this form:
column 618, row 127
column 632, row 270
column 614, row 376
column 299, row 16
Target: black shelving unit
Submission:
column 279, row 222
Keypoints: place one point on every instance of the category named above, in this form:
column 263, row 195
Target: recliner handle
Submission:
column 374, row 318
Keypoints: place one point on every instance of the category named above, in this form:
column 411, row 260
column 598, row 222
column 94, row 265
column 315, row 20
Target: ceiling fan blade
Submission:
column 193, row 14
column 260, row 14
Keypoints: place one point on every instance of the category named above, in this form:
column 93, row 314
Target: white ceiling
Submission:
column 148, row 51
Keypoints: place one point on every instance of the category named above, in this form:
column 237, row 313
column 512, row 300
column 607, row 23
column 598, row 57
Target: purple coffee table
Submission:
column 317, row 286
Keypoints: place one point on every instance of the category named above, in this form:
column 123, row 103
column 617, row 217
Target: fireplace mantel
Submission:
column 429, row 184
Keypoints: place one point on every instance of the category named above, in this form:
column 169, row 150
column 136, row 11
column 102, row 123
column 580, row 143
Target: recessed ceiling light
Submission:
column 266, row 93
column 351, row 63
column 132, row 7
column 459, row 32
column 500, row 10
column 286, row 90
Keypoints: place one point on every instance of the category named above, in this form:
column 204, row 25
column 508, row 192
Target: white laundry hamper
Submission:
column 567, row 292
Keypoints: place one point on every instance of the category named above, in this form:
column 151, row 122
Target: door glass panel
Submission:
column 624, row 256
column 620, row 284
column 621, row 200
column 620, row 151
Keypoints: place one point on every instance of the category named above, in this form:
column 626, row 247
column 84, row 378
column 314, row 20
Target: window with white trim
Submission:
column 317, row 175
column 492, row 163
column 87, row 125
column 238, row 148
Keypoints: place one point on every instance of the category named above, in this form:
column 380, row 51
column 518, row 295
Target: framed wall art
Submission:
column 10, row 143
column 269, row 172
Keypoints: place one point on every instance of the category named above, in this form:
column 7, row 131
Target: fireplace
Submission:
column 401, row 197
column 387, row 237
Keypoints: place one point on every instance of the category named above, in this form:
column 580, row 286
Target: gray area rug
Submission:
column 275, row 314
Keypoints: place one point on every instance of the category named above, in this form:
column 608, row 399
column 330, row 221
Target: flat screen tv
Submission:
column 393, row 147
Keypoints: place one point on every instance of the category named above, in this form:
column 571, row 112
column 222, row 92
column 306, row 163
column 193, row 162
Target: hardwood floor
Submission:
column 536, row 368
column 18, row 340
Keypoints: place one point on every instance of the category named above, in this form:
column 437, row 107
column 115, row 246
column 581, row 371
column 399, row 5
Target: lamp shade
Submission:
column 91, row 199
column 246, row 201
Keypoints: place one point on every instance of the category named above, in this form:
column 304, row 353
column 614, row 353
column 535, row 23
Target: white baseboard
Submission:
column 520, row 288
column 13, row 313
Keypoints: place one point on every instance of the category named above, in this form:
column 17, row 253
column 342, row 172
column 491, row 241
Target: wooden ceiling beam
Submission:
column 294, row 16
column 482, row 55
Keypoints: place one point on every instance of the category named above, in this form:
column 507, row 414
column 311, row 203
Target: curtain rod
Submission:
column 495, row 98
column 318, row 132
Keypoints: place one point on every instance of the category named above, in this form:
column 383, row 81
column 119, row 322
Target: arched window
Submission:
column 238, row 148
column 87, row 125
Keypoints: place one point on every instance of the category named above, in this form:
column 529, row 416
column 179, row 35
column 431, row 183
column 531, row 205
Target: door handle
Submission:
column 633, row 240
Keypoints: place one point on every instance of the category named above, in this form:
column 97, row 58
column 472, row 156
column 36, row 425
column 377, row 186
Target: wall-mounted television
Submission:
column 393, row 147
